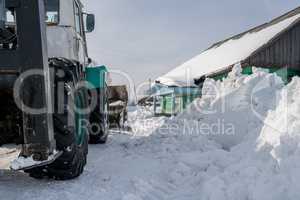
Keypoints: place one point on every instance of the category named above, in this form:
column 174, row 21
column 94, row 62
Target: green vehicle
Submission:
column 97, row 79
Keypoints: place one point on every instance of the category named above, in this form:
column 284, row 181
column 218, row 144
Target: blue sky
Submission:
column 147, row 38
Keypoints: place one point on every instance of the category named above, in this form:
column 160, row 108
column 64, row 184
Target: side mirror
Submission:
column 90, row 23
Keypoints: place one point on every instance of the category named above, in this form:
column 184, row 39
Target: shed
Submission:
column 274, row 45
column 170, row 100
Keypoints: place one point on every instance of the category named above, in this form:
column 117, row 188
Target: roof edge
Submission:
column 260, row 27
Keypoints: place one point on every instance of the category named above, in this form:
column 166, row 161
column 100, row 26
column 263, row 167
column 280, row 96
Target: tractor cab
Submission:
column 67, row 25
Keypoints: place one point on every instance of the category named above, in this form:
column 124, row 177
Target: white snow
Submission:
column 117, row 103
column 266, row 166
column 232, row 108
column 225, row 55
column 22, row 162
column 162, row 159
column 142, row 122
column 7, row 153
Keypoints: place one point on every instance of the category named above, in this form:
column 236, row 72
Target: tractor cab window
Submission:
column 52, row 11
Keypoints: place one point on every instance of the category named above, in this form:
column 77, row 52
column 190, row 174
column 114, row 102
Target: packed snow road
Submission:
column 125, row 168
column 131, row 166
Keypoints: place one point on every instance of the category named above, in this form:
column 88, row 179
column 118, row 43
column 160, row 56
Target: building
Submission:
column 170, row 100
column 274, row 45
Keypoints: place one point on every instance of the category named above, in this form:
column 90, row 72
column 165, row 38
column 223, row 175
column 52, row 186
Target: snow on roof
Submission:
column 227, row 53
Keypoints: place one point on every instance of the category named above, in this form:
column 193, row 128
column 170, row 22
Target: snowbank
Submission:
column 230, row 110
column 266, row 167
column 142, row 122
column 261, row 159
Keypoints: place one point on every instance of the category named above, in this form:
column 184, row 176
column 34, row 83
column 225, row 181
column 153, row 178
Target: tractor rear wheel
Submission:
column 71, row 140
column 98, row 130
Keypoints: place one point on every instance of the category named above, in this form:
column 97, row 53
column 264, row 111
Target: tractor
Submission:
column 52, row 102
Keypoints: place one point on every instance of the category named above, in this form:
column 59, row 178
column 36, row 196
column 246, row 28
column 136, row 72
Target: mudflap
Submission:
column 22, row 163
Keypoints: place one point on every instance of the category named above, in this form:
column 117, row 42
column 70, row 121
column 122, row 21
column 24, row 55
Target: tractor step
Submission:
column 22, row 163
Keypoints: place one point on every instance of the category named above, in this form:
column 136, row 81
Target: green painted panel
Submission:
column 171, row 105
column 219, row 76
column 185, row 102
column 178, row 100
column 168, row 105
column 247, row 70
column 285, row 73
column 178, row 104
column 96, row 76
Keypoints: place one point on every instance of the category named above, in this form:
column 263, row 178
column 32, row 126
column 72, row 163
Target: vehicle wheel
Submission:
column 71, row 140
column 71, row 163
column 98, row 130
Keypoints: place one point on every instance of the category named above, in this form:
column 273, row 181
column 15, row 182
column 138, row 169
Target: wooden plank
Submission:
column 293, row 46
column 268, row 56
column 277, row 52
column 290, row 44
column 283, row 50
column 297, row 47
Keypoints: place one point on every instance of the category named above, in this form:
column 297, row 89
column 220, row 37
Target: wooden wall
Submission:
column 284, row 51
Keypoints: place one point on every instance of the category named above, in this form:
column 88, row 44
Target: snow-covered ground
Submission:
column 239, row 142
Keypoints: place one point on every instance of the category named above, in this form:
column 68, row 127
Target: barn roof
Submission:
column 230, row 51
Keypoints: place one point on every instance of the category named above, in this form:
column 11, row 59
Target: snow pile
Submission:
column 7, row 153
column 142, row 122
column 267, row 167
column 224, row 55
column 231, row 109
column 27, row 163
column 247, row 131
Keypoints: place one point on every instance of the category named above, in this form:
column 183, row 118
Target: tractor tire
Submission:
column 70, row 164
column 101, row 137
column 99, row 128
column 98, row 131
column 72, row 141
